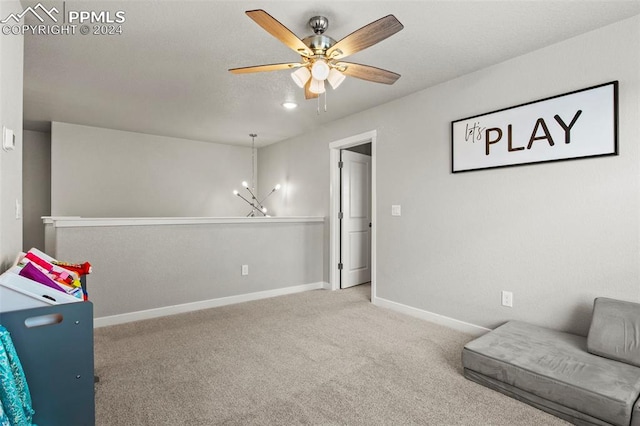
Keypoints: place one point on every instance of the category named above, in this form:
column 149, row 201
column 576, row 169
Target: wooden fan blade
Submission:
column 262, row 68
column 308, row 94
column 279, row 31
column 369, row 73
column 366, row 36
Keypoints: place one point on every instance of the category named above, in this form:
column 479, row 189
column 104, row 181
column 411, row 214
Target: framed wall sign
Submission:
column 578, row 124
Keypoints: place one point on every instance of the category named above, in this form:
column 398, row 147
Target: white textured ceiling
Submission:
column 167, row 73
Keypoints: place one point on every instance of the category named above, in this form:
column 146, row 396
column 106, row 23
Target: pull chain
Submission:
column 325, row 100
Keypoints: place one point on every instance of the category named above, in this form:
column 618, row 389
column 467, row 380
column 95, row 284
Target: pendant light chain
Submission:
column 253, row 161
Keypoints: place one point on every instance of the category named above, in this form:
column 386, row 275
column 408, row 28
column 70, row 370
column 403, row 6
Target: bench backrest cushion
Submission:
column 615, row 330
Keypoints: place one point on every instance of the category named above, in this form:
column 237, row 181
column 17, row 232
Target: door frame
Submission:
column 334, row 205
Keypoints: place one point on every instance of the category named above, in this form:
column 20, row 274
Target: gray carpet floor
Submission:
column 317, row 358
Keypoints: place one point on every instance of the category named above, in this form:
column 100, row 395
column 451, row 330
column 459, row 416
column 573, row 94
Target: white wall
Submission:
column 11, row 65
column 99, row 172
column 556, row 235
column 36, row 187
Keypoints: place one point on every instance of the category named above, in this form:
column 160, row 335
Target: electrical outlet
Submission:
column 245, row 269
column 18, row 210
column 507, row 299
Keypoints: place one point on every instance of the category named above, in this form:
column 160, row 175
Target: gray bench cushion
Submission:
column 556, row 366
column 615, row 330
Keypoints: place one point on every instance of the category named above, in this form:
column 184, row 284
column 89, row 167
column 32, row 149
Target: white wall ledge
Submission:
column 78, row 222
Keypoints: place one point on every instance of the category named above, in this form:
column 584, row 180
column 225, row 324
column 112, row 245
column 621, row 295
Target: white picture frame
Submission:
column 578, row 124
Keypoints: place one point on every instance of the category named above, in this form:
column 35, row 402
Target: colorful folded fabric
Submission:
column 15, row 399
column 34, row 274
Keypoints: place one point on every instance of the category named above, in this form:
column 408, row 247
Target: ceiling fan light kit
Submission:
column 321, row 56
column 335, row 78
column 320, row 69
column 301, row 76
column 316, row 86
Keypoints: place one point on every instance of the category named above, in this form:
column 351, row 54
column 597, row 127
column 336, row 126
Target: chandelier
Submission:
column 257, row 206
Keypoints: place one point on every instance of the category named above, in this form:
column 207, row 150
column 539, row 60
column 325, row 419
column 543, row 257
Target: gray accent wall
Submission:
column 11, row 65
column 136, row 268
column 111, row 173
column 557, row 235
column 36, row 187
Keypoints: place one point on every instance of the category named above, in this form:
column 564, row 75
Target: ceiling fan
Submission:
column 321, row 56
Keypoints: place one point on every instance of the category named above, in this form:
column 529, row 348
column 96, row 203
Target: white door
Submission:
column 355, row 226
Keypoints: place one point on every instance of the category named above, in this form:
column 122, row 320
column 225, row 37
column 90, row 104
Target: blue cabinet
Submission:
column 55, row 347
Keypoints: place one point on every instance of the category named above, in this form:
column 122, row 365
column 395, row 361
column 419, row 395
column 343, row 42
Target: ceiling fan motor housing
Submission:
column 319, row 43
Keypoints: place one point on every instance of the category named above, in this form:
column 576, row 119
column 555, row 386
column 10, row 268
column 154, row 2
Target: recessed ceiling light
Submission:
column 290, row 105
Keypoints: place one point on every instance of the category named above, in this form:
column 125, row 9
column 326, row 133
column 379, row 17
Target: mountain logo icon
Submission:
column 34, row 11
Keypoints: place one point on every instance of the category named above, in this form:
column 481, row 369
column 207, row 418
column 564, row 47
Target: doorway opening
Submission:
column 363, row 230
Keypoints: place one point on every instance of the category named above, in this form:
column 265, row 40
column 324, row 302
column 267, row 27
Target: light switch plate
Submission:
column 396, row 210
column 8, row 139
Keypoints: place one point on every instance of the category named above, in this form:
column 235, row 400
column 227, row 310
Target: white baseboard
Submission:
column 465, row 327
column 202, row 304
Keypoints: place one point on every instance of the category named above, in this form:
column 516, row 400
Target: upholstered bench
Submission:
column 585, row 380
